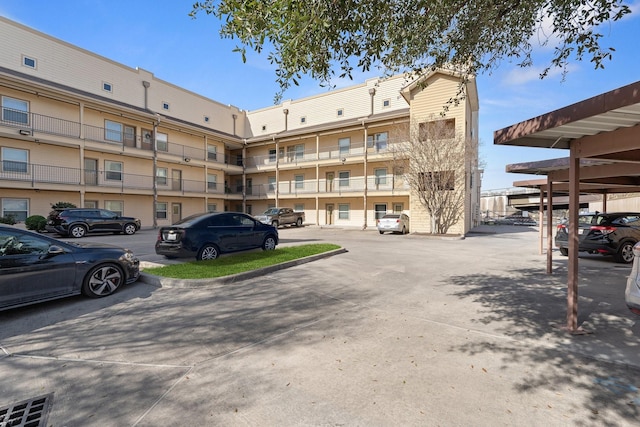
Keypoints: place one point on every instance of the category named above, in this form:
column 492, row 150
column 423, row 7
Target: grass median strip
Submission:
column 239, row 263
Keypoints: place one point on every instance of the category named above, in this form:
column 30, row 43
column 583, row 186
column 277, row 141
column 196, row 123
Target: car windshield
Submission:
column 391, row 216
column 272, row 211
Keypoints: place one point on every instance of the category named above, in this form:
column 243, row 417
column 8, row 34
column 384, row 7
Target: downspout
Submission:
column 155, row 170
column 372, row 93
column 244, row 176
column 277, row 145
column 366, row 178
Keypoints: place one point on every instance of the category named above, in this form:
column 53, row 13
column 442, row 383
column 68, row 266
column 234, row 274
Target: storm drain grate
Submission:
column 28, row 413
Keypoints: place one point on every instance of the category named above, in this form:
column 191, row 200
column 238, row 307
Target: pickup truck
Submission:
column 281, row 216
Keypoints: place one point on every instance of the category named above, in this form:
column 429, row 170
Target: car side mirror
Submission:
column 54, row 250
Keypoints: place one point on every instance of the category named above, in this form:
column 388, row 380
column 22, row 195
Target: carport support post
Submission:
column 549, row 226
column 572, row 279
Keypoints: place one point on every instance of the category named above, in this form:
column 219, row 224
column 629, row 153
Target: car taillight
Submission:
column 604, row 229
column 561, row 227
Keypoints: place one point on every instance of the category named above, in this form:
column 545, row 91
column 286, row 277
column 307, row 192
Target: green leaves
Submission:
column 323, row 39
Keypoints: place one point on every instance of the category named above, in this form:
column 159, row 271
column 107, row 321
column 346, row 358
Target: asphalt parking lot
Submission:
column 399, row 330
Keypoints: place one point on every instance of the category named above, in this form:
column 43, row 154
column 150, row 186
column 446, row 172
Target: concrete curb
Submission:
column 167, row 282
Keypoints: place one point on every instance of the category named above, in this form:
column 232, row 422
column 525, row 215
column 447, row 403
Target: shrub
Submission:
column 36, row 223
column 62, row 205
column 9, row 219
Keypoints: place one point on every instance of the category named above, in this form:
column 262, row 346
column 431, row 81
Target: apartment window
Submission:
column 343, row 178
column 212, row 182
column 112, row 131
column 165, row 106
column 162, row 142
column 381, row 176
column 303, row 120
column 272, row 183
column 17, row 208
column 15, row 110
column 91, row 204
column 344, row 146
column 15, row 160
column 295, row 152
column 386, row 103
column 299, row 207
column 206, row 119
column 116, row 206
column 378, row 140
column 161, row 210
column 162, row 175
column 343, row 211
column 380, row 210
column 272, row 155
column 340, row 112
column 299, row 182
column 212, row 207
column 212, row 152
column 113, row 171
column 107, row 87
column 29, row 62
column 437, row 129
column 398, row 208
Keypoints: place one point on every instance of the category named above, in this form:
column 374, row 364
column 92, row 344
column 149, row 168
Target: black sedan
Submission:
column 36, row 268
column 206, row 236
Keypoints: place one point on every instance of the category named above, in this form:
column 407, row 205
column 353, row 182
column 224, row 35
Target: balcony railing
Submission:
column 33, row 122
column 36, row 174
column 330, row 153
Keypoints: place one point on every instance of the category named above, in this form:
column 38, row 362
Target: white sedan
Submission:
column 393, row 222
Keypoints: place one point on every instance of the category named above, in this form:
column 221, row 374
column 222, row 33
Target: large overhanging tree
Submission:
column 327, row 38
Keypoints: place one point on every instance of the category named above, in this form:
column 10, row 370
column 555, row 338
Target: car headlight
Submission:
column 129, row 256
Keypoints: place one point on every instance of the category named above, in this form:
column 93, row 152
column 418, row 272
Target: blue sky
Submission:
column 160, row 37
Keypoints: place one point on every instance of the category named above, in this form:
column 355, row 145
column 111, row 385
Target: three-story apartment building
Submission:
column 77, row 127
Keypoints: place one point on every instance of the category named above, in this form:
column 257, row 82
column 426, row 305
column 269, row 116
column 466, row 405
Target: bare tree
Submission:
column 435, row 162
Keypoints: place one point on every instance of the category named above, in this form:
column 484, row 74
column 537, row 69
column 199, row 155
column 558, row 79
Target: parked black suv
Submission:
column 604, row 233
column 76, row 222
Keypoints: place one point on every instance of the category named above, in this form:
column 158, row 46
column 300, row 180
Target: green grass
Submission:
column 239, row 263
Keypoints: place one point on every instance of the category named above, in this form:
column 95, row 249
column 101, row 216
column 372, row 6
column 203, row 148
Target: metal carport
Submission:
column 602, row 135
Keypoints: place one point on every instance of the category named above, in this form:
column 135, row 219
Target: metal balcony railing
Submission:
column 33, row 122
column 45, row 174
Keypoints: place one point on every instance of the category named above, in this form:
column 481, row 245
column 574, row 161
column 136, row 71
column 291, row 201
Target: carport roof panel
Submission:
column 602, row 113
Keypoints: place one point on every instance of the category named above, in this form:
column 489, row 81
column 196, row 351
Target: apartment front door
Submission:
column 330, row 177
column 329, row 214
column 176, row 179
column 90, row 172
column 176, row 212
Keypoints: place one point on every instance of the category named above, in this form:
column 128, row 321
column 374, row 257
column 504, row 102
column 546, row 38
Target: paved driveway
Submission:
column 399, row 330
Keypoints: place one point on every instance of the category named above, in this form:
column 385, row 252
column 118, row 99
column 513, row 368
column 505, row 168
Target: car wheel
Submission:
column 625, row 253
column 269, row 243
column 404, row 230
column 274, row 224
column 77, row 231
column 102, row 280
column 130, row 229
column 564, row 251
column 299, row 222
column 380, row 231
column 208, row 252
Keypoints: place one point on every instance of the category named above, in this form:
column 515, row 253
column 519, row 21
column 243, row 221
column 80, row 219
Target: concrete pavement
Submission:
column 398, row 330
